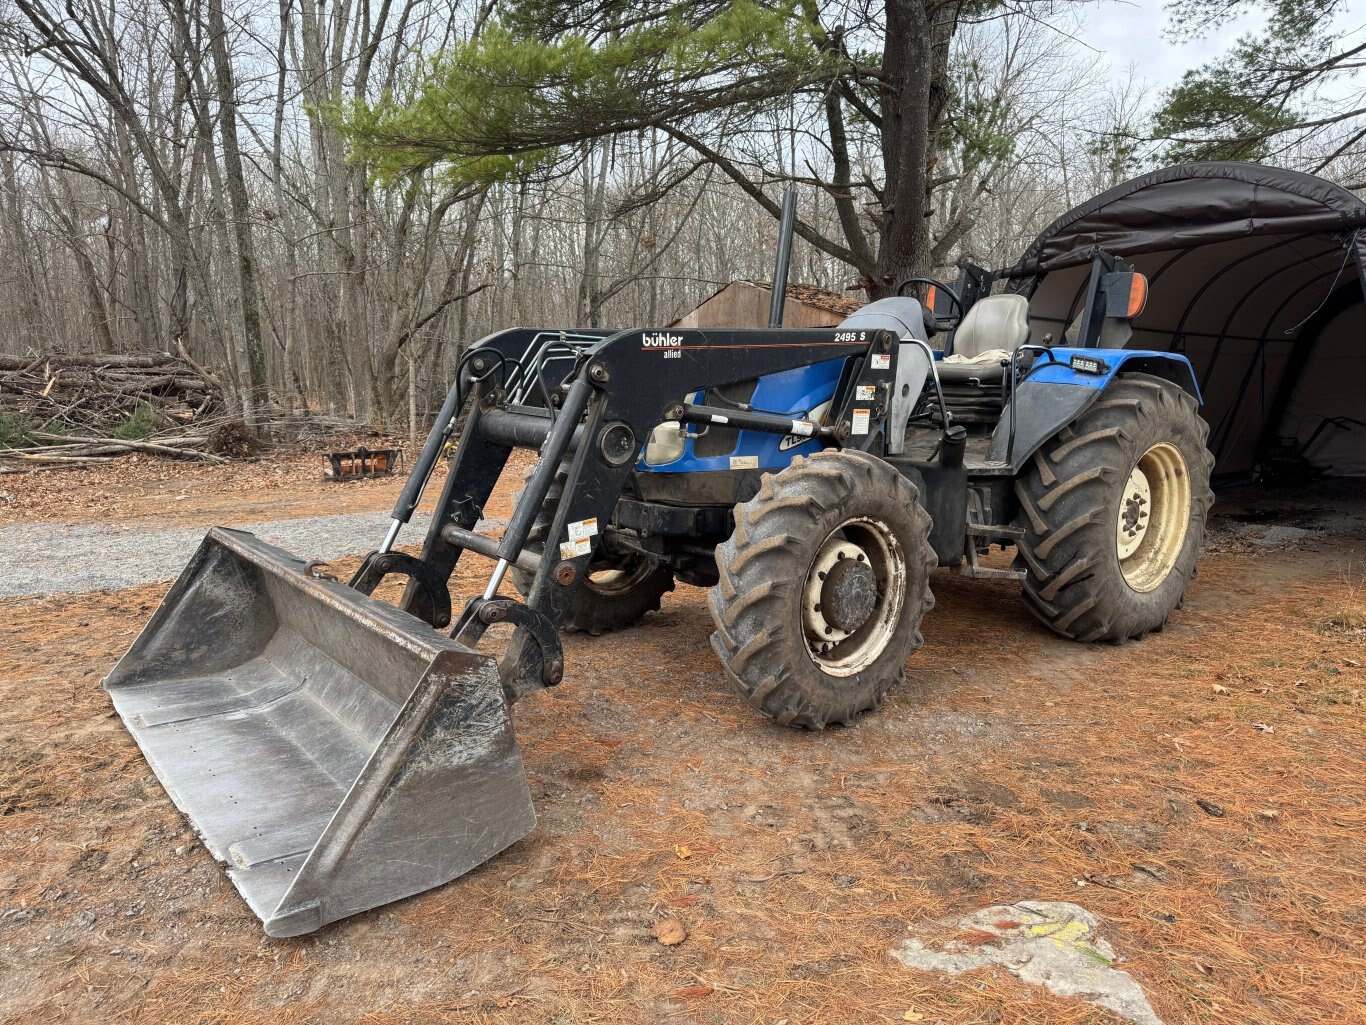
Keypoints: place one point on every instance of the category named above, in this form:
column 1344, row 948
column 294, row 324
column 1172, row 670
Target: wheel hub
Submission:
column 1153, row 517
column 1134, row 514
column 853, row 596
column 849, row 593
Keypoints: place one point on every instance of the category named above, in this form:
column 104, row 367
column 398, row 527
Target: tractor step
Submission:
column 994, row 531
column 971, row 568
column 988, row 468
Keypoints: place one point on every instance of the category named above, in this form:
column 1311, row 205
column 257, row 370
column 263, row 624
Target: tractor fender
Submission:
column 1054, row 393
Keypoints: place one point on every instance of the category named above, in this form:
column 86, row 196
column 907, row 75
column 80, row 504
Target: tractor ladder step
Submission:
column 971, row 568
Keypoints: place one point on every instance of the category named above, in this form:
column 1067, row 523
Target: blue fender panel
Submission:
column 1170, row 366
column 1054, row 395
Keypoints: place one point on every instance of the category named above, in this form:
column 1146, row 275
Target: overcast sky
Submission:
column 1131, row 33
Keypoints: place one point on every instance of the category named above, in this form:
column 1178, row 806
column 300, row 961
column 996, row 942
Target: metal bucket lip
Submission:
column 405, row 629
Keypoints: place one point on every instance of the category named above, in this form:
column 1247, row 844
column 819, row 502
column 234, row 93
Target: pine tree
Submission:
column 1275, row 95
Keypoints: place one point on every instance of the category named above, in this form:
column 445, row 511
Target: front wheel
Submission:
column 822, row 588
column 618, row 590
column 1114, row 510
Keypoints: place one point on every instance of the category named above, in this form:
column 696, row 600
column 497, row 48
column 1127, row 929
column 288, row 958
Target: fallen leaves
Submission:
column 1210, row 808
column 670, row 932
column 1219, row 688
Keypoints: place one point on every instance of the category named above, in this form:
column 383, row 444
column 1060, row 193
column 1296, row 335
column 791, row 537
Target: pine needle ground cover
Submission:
column 1200, row 793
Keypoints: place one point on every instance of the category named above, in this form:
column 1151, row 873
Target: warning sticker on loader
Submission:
column 882, row 361
column 865, row 392
column 860, row 425
column 744, row 462
column 573, row 549
column 581, row 529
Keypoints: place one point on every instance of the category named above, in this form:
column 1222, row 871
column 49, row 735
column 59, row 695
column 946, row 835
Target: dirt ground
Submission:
column 1201, row 792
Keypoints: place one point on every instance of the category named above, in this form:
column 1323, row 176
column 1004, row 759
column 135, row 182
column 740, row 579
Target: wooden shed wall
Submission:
column 741, row 304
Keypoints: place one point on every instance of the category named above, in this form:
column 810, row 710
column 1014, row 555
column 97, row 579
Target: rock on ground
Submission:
column 1052, row 944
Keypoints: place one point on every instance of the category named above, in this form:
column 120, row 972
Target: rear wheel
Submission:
column 617, row 591
column 822, row 588
column 1114, row 510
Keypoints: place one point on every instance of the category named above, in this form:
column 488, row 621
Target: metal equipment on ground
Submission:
column 362, row 464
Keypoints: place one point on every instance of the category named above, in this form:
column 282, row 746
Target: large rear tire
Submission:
column 618, row 590
column 1114, row 510
column 822, row 588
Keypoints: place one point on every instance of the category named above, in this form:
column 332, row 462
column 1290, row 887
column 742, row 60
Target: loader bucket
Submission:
column 333, row 752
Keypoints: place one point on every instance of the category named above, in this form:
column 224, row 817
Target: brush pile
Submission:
column 75, row 410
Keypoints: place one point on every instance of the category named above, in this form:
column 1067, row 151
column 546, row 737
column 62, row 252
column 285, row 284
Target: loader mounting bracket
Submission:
column 525, row 670
column 432, row 603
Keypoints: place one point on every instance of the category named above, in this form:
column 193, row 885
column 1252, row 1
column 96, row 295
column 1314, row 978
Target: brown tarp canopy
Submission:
column 1256, row 274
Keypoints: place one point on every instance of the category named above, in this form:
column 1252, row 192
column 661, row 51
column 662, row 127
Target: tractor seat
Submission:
column 995, row 327
column 984, row 368
column 973, row 375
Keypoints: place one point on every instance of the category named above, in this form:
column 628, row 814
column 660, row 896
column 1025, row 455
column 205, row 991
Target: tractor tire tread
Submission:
column 751, row 605
column 1073, row 583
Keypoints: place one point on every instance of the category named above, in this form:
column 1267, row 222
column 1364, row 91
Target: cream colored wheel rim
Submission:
column 1154, row 514
column 612, row 581
column 846, row 646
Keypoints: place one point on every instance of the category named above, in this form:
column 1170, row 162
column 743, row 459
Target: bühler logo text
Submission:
column 663, row 340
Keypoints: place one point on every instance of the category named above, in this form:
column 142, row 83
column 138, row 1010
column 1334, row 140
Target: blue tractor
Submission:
column 812, row 480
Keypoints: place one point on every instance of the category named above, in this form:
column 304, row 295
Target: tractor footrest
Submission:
column 988, row 468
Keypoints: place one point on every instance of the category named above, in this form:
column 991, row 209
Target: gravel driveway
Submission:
column 72, row 558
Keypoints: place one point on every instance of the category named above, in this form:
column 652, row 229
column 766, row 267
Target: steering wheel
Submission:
column 934, row 283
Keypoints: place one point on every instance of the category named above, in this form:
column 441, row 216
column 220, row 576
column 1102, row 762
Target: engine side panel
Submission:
column 796, row 392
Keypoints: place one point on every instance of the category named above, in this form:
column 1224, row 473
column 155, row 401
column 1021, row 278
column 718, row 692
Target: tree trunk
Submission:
column 257, row 393
column 905, row 238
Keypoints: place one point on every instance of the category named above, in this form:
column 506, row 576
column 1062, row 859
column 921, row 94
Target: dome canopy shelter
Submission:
column 1257, row 274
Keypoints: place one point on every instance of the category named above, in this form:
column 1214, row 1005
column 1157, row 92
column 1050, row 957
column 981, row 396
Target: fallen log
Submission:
column 24, row 456
column 98, row 360
column 180, row 451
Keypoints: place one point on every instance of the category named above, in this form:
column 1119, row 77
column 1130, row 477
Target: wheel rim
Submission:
column 1154, row 515
column 611, row 580
column 852, row 596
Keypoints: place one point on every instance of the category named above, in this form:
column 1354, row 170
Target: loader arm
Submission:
column 599, row 418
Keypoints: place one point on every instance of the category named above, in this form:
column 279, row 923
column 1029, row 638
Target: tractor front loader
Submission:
column 338, row 753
